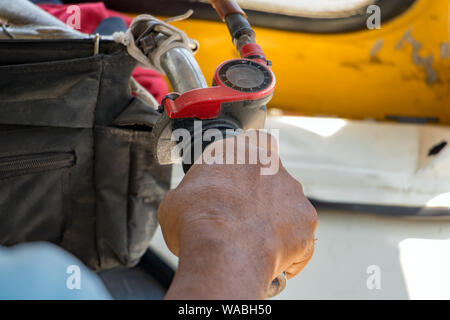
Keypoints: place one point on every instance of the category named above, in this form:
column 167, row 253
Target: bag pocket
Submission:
column 56, row 93
column 46, row 188
column 130, row 185
column 25, row 180
column 34, row 163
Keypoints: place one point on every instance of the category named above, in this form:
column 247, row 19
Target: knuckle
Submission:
column 313, row 218
column 309, row 251
column 308, row 212
column 164, row 206
column 298, row 186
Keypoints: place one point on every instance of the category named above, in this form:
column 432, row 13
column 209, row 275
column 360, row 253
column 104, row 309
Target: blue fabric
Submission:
column 42, row 270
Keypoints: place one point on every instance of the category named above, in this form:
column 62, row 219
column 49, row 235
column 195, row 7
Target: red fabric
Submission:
column 91, row 14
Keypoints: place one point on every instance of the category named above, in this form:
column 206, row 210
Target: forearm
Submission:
column 214, row 269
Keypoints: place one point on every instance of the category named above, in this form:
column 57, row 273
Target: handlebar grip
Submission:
column 226, row 7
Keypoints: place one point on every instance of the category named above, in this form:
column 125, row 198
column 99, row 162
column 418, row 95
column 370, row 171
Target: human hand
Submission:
column 236, row 227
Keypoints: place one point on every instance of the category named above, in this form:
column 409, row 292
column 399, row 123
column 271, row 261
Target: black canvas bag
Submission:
column 75, row 163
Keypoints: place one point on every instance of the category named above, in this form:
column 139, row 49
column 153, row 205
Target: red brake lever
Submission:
column 246, row 79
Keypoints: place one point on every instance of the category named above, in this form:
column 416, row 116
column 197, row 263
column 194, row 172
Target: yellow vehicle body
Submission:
column 369, row 74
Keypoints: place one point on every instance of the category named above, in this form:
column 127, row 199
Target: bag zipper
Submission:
column 35, row 163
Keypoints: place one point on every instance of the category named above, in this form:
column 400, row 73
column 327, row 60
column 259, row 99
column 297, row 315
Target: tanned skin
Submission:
column 234, row 230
